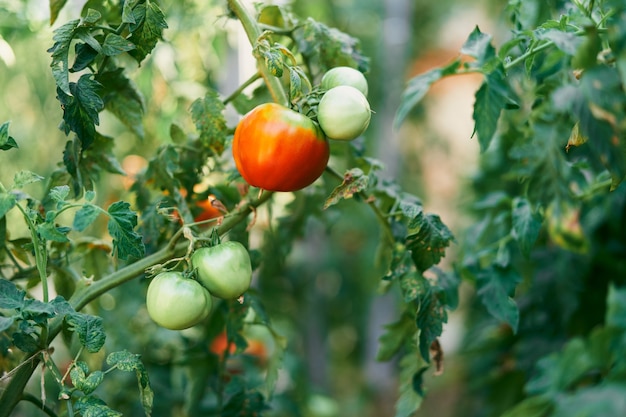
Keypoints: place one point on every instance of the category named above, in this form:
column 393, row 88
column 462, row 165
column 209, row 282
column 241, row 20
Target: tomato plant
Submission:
column 223, row 269
column 278, row 149
column 344, row 113
column 344, row 76
column 176, row 302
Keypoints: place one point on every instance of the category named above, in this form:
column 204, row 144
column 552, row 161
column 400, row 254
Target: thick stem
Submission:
column 253, row 31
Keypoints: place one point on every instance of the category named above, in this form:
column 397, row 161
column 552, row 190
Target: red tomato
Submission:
column 278, row 149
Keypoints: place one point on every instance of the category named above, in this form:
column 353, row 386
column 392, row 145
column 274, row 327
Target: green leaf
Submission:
column 89, row 329
column 295, row 84
column 55, row 8
column 531, row 407
column 7, row 202
column 526, row 224
column 414, row 92
column 84, row 56
column 11, row 297
column 177, row 134
column 114, row 44
column 495, row 285
column 87, row 384
column 49, row 231
column 81, row 108
column 427, row 238
column 85, row 217
column 6, row 141
column 409, row 400
column 23, row 178
column 147, row 28
column 60, row 50
column 92, row 17
column 395, row 336
column 274, row 62
column 6, row 323
column 91, row 406
column 566, row 41
column 491, row 98
column 127, row 11
column 616, row 307
column 25, row 342
column 478, row 45
column 354, row 181
column 59, row 194
column 37, row 310
column 127, row 361
column 431, row 315
column 207, row 114
column 126, row 242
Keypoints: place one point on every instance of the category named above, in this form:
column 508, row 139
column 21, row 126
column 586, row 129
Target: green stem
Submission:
column 41, row 255
column 14, row 389
column 528, row 54
column 253, row 31
column 242, row 87
column 36, row 401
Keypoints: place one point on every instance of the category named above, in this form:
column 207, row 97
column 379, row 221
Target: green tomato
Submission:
column 176, row 302
column 343, row 113
column 344, row 76
column 225, row 269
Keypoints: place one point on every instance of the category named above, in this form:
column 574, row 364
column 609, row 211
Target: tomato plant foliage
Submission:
column 545, row 254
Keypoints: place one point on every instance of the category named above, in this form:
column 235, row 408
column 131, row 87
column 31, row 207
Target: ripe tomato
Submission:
column 225, row 269
column 176, row 302
column 344, row 76
column 278, row 149
column 344, row 113
column 209, row 211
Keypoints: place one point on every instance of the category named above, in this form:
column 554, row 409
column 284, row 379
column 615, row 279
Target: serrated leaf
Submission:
column 494, row 286
column 147, row 28
column 430, row 318
column 6, row 141
column 49, row 231
column 11, row 297
column 409, row 400
column 23, row 178
column 59, row 194
column 412, row 285
column 60, row 50
column 123, row 99
column 115, row 44
column 81, row 108
column 491, row 99
column 427, row 238
column 127, row 361
column 7, row 202
column 478, row 45
column 89, row 329
column 85, row 216
column 92, row 17
column 126, row 242
column 207, row 114
column 354, row 181
column 414, row 92
column 566, row 41
column 526, row 224
column 84, row 56
column 395, row 336
column 127, row 11
column 55, row 7
column 83, row 382
column 37, row 310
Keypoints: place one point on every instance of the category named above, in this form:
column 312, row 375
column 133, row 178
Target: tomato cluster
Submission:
column 279, row 149
column 177, row 302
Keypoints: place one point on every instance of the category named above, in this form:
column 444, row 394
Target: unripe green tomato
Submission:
column 225, row 269
column 176, row 302
column 337, row 76
column 343, row 113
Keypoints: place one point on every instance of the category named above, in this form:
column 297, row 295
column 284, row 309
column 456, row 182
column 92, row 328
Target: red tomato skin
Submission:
column 278, row 149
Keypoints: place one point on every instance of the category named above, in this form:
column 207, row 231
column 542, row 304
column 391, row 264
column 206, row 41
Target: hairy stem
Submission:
column 253, row 31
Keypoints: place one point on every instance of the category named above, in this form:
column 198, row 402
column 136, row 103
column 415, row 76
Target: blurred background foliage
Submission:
column 325, row 298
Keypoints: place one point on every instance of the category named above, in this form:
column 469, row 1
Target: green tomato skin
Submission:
column 225, row 269
column 343, row 113
column 337, row 76
column 176, row 302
